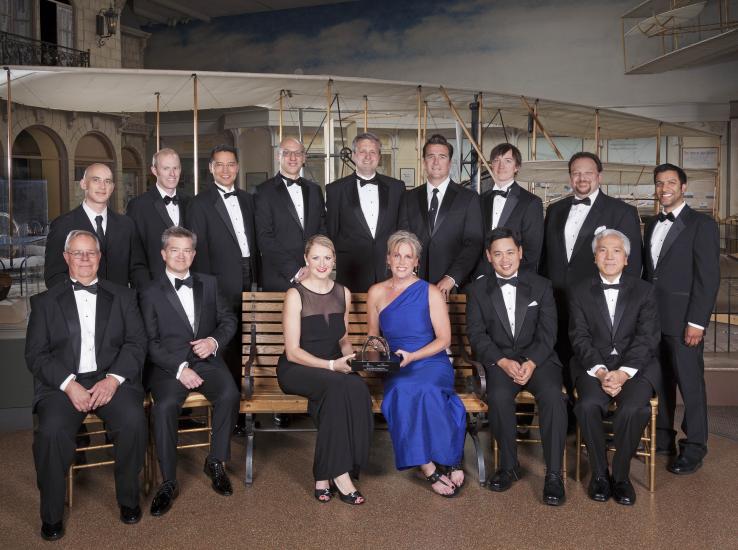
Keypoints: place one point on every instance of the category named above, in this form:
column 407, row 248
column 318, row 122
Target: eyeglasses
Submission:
column 221, row 165
column 290, row 154
column 83, row 254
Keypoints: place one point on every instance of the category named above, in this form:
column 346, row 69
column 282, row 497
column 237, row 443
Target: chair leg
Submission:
column 249, row 479
column 652, row 451
column 495, row 453
column 70, row 487
column 563, row 464
column 577, row 471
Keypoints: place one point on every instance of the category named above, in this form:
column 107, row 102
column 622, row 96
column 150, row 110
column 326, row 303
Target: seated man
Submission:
column 187, row 321
column 86, row 347
column 511, row 323
column 614, row 332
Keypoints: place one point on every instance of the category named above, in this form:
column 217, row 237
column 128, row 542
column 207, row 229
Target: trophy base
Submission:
column 380, row 367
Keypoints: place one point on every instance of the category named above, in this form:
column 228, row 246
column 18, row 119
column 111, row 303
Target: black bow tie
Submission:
column 663, row 217
column 363, row 182
column 179, row 282
column 226, row 195
column 290, row 181
column 585, row 200
column 171, row 200
column 92, row 289
column 512, row 281
column 606, row 286
column 500, row 193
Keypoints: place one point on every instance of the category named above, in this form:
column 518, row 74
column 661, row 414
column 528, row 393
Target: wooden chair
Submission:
column 647, row 449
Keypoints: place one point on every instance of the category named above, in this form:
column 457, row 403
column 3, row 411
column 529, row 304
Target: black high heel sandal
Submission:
column 323, row 493
column 350, row 498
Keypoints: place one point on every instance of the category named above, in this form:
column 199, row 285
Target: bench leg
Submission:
column 249, row 479
column 473, row 429
column 577, row 471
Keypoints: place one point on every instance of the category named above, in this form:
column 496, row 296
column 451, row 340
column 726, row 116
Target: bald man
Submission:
column 289, row 210
column 122, row 258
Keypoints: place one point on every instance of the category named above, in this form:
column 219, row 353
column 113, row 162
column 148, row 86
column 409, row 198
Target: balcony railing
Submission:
column 20, row 50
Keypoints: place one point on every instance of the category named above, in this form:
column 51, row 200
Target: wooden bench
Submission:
column 263, row 343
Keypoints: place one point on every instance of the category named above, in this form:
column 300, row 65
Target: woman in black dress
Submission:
column 315, row 365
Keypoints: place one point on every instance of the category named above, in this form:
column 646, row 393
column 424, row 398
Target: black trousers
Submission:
column 545, row 385
column 54, row 444
column 684, row 367
column 628, row 422
column 341, row 407
column 169, row 394
column 232, row 353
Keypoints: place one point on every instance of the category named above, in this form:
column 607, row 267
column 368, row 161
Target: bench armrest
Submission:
column 478, row 380
column 247, row 382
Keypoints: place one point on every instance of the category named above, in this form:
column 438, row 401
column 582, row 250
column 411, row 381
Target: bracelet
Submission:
column 330, row 364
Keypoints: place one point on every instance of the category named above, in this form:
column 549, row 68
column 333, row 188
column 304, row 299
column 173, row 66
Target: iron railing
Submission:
column 21, row 50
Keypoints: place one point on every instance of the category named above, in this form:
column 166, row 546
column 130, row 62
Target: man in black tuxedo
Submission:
column 447, row 219
column 289, row 210
column 187, row 321
column 511, row 323
column 507, row 204
column 222, row 217
column 122, row 259
column 570, row 225
column 614, row 331
column 160, row 207
column 85, row 347
column 682, row 260
column 363, row 211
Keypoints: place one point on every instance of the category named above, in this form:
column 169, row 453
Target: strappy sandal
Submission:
column 435, row 477
column 323, row 493
column 456, row 468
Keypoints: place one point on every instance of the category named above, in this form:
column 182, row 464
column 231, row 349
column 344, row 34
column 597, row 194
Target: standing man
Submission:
column 222, row 217
column 187, row 322
column 614, row 330
column 682, row 250
column 570, row 225
column 363, row 211
column 511, row 323
column 289, row 210
column 160, row 207
column 507, row 204
column 122, row 259
column 447, row 219
column 86, row 346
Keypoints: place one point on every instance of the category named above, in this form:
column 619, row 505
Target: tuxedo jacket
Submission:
column 606, row 211
column 53, row 341
column 488, row 326
column 150, row 216
column 361, row 260
column 122, row 258
column 523, row 212
column 687, row 276
column 280, row 235
column 455, row 244
column 169, row 330
column 634, row 334
column 218, row 252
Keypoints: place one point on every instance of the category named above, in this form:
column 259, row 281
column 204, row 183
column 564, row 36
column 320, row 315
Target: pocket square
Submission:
column 533, row 304
column 600, row 229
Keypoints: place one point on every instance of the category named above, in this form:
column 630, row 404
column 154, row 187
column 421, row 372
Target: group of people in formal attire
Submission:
column 150, row 301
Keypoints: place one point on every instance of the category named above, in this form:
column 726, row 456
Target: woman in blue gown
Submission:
column 426, row 419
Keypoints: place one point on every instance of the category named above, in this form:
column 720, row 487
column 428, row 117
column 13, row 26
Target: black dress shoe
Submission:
column 52, row 531
column 502, row 480
column 599, row 488
column 130, row 515
column 683, row 465
column 216, row 472
column 553, row 490
column 164, row 497
column 623, row 493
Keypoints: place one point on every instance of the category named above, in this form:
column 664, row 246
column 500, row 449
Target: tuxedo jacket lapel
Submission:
column 586, row 232
column 677, row 227
column 68, row 306
column 623, row 298
column 499, row 304
column 598, row 296
column 104, row 304
column 423, row 206
column 448, row 200
column 197, row 292
column 647, row 235
column 171, row 295
column 220, row 208
column 355, row 202
column 284, row 196
column 522, row 299
column 383, row 192
column 161, row 209
column 510, row 203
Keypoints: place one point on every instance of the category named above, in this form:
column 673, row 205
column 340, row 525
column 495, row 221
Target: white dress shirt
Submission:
column 369, row 199
column 611, row 299
column 509, row 293
column 172, row 209
column 577, row 215
column 295, row 192
column 233, row 207
column 91, row 214
column 498, row 202
column 86, row 311
column 660, row 230
column 441, row 192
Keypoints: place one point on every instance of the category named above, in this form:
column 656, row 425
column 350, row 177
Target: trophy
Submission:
column 375, row 356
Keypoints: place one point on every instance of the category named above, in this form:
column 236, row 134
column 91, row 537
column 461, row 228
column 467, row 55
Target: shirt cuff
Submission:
column 120, row 379
column 216, row 345
column 294, row 277
column 452, row 279
column 630, row 371
column 695, row 325
column 182, row 366
column 66, row 382
column 593, row 371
